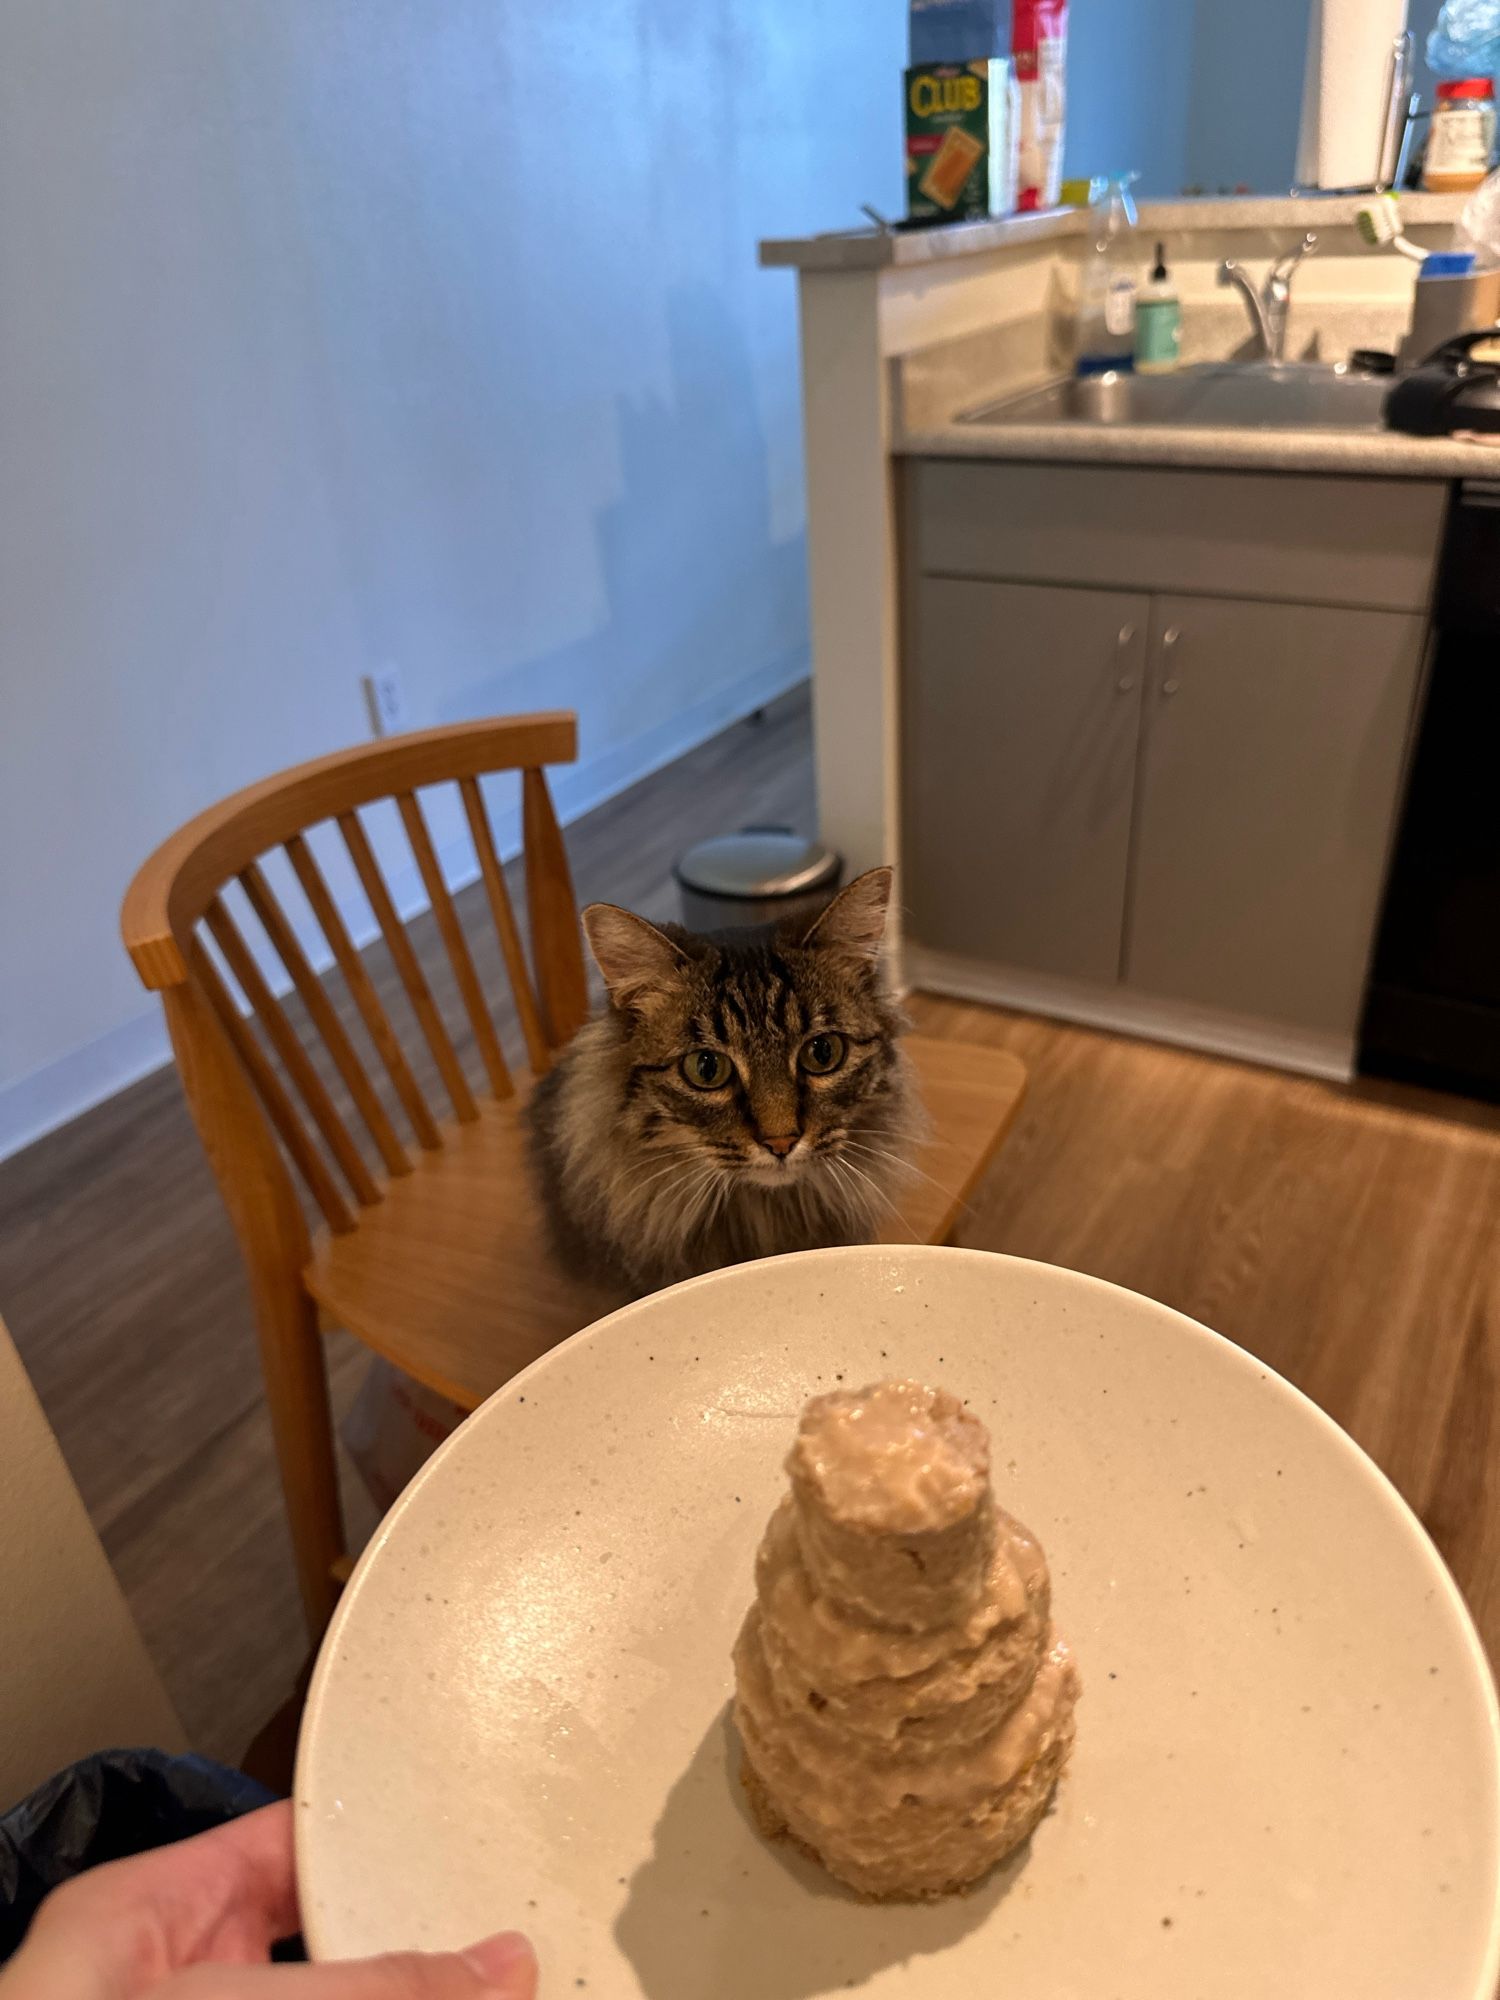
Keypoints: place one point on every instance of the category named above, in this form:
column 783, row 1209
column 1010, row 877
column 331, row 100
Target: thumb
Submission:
column 500, row 1968
column 508, row 1963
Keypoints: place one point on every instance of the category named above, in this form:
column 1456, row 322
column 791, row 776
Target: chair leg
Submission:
column 272, row 1232
column 291, row 1353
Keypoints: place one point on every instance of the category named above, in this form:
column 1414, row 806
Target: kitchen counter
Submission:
column 901, row 332
column 1372, row 454
column 880, row 249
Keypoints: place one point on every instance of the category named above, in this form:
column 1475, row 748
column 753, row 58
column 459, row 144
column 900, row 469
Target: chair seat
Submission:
column 450, row 1277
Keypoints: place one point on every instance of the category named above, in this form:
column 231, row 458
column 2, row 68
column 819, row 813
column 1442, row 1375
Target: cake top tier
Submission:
column 893, row 1458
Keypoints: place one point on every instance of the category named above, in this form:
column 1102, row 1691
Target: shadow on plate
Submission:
column 718, row 1910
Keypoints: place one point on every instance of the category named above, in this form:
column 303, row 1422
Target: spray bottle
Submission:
column 1107, row 283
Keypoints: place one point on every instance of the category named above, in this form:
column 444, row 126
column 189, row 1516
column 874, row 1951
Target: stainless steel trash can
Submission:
column 759, row 876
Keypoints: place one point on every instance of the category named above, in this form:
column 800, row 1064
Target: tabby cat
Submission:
column 739, row 1096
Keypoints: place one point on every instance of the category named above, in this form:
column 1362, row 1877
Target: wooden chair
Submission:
column 430, row 1249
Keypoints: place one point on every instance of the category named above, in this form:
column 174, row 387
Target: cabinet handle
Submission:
column 1124, row 639
column 1169, row 640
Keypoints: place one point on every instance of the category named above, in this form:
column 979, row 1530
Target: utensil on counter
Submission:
column 1400, row 109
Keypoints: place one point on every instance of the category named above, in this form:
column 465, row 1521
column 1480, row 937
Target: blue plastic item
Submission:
column 1466, row 40
column 958, row 30
column 1446, row 264
column 117, row 1803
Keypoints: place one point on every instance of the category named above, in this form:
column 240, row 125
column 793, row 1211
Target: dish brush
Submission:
column 1379, row 224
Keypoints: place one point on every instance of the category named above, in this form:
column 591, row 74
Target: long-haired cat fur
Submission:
column 740, row 1096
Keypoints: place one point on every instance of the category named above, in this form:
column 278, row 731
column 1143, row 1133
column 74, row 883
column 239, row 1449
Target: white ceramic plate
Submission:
column 1285, row 1781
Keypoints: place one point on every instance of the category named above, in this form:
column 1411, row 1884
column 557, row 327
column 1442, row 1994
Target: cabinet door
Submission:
column 1273, row 739
column 1021, row 713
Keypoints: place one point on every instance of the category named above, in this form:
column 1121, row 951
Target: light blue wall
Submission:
column 341, row 332
column 1204, row 93
column 1247, row 89
column 1129, row 79
column 1245, row 101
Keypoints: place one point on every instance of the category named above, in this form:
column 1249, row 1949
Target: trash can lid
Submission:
column 758, row 861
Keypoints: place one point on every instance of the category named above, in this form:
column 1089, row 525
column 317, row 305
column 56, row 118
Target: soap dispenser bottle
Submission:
column 1107, row 284
column 1158, row 321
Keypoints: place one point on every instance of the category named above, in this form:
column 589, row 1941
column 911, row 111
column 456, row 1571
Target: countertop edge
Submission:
column 875, row 249
column 1384, row 455
column 879, row 250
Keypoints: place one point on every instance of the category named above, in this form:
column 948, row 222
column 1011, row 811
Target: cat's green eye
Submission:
column 820, row 1055
column 706, row 1069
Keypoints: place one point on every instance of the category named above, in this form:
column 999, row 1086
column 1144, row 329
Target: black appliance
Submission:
column 1453, row 390
column 1432, row 1012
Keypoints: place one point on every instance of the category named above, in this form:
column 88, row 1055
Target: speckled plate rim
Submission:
column 1382, row 1489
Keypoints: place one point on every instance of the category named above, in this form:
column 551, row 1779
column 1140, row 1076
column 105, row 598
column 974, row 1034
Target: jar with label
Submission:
column 1461, row 137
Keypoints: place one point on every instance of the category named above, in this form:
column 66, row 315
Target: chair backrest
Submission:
column 186, row 942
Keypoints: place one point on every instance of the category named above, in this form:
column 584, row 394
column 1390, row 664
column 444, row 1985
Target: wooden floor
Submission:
column 1348, row 1236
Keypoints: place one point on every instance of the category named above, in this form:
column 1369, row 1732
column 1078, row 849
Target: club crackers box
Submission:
column 962, row 138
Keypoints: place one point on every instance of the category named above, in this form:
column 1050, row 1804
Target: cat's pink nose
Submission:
column 780, row 1143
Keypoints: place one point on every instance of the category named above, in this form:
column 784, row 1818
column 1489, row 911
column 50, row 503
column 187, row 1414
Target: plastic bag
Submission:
column 1466, row 40
column 944, row 31
column 118, row 1803
column 393, row 1427
column 1479, row 222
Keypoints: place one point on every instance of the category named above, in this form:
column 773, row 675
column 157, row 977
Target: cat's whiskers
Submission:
column 650, row 1196
column 846, row 1188
column 854, row 1197
column 703, row 1189
column 901, row 1165
column 720, row 1195
column 710, row 1204
column 658, row 1212
column 879, row 1192
column 674, row 1165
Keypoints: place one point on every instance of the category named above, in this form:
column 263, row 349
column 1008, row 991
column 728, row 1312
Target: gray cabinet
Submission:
column 1020, row 729
column 1153, row 732
column 1272, row 748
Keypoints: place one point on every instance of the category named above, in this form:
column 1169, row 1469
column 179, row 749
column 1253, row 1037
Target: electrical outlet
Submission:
column 385, row 698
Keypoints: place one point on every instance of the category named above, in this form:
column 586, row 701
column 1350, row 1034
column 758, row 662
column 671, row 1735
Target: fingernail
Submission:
column 499, row 1958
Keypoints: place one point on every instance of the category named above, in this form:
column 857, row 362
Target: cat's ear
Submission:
column 853, row 925
column 634, row 956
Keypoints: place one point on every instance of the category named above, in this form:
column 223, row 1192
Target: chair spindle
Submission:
column 400, row 947
column 452, row 933
column 324, row 1016
column 503, row 913
column 366, row 999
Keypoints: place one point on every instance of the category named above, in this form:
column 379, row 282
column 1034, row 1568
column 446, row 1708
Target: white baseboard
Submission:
column 34, row 1105
column 578, row 788
column 1246, row 1037
column 37, row 1104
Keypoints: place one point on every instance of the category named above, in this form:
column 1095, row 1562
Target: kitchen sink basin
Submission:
column 1281, row 395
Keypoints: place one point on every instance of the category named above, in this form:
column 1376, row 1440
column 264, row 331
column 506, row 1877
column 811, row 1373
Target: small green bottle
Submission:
column 1158, row 322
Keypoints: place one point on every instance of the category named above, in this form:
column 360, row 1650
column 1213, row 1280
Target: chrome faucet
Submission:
column 1268, row 306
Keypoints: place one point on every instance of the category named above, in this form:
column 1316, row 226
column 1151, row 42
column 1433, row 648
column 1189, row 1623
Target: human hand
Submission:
column 196, row 1921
